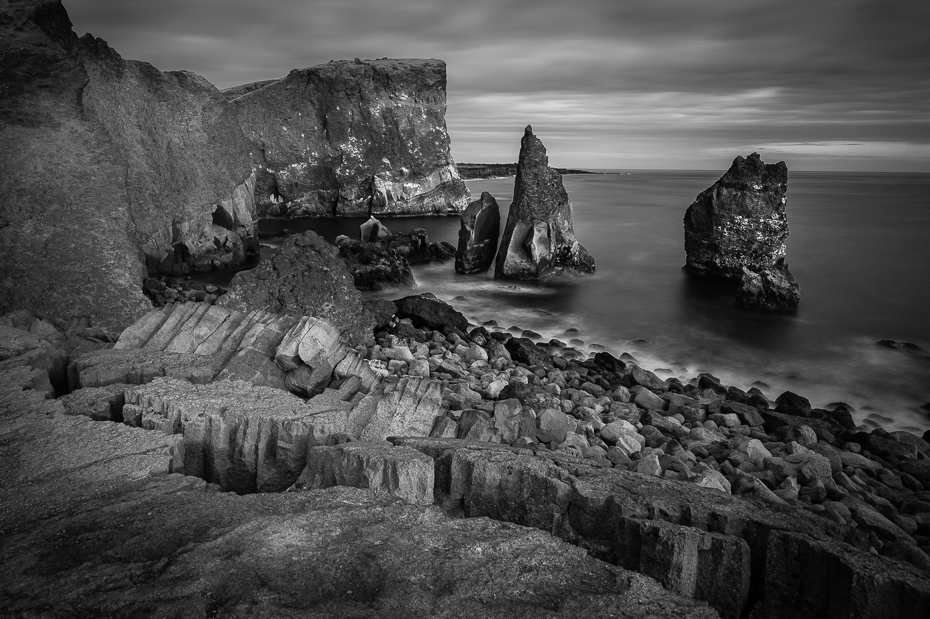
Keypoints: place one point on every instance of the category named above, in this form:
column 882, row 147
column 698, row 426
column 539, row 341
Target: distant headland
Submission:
column 469, row 171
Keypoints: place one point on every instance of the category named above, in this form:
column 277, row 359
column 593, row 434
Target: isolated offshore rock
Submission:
column 739, row 221
column 539, row 238
column 481, row 226
column 773, row 289
column 103, row 181
column 737, row 229
column 305, row 277
column 352, row 138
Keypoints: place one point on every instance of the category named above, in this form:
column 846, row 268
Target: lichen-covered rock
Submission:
column 539, row 238
column 305, row 277
column 117, row 167
column 352, row 138
column 481, row 226
column 773, row 289
column 739, row 221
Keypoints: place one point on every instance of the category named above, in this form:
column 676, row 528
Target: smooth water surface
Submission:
column 858, row 247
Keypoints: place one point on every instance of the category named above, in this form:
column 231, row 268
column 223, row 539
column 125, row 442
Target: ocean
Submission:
column 858, row 246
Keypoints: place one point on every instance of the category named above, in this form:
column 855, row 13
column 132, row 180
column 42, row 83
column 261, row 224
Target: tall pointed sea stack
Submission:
column 539, row 238
column 736, row 229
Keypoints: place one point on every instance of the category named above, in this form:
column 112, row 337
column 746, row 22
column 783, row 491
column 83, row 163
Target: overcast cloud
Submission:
column 822, row 84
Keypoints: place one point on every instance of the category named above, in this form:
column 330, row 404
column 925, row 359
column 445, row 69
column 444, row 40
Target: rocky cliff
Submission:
column 737, row 229
column 352, row 138
column 108, row 166
column 539, row 238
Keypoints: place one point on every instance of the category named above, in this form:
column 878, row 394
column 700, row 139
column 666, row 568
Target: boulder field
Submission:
column 215, row 462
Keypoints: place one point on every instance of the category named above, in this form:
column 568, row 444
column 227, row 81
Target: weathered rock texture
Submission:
column 374, row 266
column 98, row 521
column 481, row 227
column 737, row 229
column 221, row 379
column 771, row 289
column 539, row 238
column 305, row 277
column 739, row 555
column 352, row 138
column 109, row 166
column 403, row 472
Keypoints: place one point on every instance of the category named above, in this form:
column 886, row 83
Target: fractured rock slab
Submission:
column 403, row 472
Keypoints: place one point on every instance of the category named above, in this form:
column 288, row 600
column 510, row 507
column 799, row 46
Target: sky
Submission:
column 609, row 84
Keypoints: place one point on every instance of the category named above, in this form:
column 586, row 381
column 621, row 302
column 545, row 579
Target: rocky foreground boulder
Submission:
column 481, row 227
column 737, row 228
column 539, row 238
column 99, row 183
column 305, row 277
column 352, row 138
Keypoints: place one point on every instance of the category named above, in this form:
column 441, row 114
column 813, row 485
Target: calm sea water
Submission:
column 858, row 246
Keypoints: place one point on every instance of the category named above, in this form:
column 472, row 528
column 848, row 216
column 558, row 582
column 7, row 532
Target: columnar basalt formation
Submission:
column 111, row 166
column 481, row 227
column 539, row 238
column 737, row 228
column 352, row 138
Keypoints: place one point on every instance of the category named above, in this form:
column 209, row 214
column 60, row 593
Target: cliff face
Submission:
column 352, row 138
column 737, row 229
column 539, row 238
column 108, row 166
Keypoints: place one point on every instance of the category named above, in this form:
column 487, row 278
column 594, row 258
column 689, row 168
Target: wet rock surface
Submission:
column 352, row 138
column 737, row 229
column 481, row 224
column 539, row 238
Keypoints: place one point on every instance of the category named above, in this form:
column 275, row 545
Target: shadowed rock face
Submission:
column 737, row 229
column 739, row 221
column 352, row 138
column 481, row 227
column 112, row 166
column 539, row 238
column 305, row 277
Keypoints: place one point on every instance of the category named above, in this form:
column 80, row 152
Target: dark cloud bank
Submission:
column 832, row 84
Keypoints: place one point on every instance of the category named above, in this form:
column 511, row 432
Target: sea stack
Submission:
column 539, row 239
column 481, row 227
column 736, row 229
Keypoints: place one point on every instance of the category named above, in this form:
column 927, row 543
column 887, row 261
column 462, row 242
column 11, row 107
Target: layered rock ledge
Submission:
column 352, row 138
column 704, row 488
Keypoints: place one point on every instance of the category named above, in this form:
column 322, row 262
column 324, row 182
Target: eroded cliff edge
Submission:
column 352, row 138
column 107, row 167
